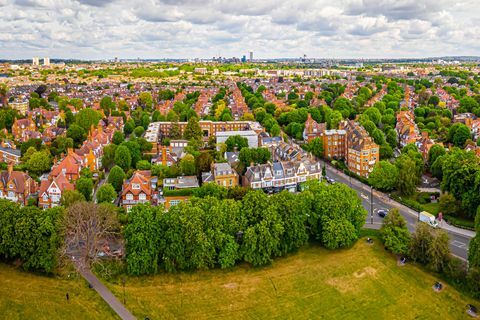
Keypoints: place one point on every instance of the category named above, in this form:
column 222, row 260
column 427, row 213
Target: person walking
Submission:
column 67, row 296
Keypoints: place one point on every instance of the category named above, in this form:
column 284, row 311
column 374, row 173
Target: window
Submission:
column 142, row 196
column 135, row 186
column 45, row 197
column 129, row 196
column 230, row 182
column 174, row 202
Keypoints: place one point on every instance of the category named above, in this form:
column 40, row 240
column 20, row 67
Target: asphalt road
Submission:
column 458, row 242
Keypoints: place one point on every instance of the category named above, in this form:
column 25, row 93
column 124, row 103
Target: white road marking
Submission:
column 458, row 244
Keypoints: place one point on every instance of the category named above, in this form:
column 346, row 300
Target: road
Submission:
column 458, row 241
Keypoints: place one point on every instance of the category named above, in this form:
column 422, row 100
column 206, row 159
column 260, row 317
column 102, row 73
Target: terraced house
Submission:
column 282, row 175
column 16, row 186
column 362, row 153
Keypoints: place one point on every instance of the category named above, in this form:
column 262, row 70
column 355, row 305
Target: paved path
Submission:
column 103, row 291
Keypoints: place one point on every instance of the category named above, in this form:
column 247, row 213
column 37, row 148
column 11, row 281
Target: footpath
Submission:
column 106, row 294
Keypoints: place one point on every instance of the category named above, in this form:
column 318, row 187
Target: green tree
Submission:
column 106, row 193
column 338, row 233
column 86, row 118
column 439, row 250
column 70, row 197
column 108, row 156
column 39, row 163
column 116, row 177
column 236, row 142
column 138, row 131
column 85, row 187
column 118, row 137
column 187, row 165
column 407, row 178
column 394, row 233
column 435, row 152
column 448, row 204
column 142, row 240
column 315, row 146
column 422, row 239
column 193, row 129
column 123, row 158
column 77, row 134
column 384, row 176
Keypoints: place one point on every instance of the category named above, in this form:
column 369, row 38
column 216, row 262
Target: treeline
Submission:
column 30, row 235
column 215, row 231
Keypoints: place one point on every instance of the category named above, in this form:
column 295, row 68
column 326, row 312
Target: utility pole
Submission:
column 371, row 204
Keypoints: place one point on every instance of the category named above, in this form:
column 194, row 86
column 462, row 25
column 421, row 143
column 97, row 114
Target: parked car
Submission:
column 382, row 213
column 330, row 180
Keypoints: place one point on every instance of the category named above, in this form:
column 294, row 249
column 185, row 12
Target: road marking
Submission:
column 458, row 244
column 364, row 196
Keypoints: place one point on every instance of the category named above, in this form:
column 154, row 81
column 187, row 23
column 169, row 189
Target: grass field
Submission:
column 28, row 296
column 359, row 283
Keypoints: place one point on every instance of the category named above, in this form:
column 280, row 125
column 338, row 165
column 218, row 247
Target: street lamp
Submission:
column 371, row 204
column 123, row 282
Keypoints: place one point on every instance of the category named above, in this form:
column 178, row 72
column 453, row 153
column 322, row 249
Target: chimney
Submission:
column 10, row 168
column 70, row 151
column 164, row 155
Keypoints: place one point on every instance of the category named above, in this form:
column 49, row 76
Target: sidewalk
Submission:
column 463, row 232
column 106, row 295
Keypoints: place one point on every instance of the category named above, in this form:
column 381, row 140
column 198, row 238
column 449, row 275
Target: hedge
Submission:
column 461, row 223
column 177, row 193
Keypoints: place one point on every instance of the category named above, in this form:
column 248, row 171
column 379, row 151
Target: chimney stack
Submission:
column 10, row 168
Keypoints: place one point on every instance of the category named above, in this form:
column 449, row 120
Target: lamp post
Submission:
column 123, row 282
column 371, row 204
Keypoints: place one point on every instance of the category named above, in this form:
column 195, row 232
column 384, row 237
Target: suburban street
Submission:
column 459, row 238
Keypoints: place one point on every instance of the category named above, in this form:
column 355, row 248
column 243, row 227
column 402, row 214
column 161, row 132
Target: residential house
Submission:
column 51, row 190
column 140, row 188
column 9, row 154
column 407, row 130
column 16, row 186
column 424, row 143
column 224, row 175
column 176, row 190
column 22, row 128
column 69, row 166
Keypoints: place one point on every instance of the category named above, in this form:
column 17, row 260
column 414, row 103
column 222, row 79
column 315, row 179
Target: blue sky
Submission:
column 90, row 29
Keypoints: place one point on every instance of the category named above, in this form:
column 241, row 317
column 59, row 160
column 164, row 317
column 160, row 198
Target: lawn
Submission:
column 25, row 295
column 359, row 283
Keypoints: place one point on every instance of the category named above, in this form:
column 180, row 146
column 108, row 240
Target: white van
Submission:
column 428, row 218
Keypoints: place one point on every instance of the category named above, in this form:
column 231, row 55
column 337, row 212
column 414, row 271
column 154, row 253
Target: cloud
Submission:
column 204, row 28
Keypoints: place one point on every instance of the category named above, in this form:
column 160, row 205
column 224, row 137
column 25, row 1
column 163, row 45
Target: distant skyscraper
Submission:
column 46, row 61
column 35, row 61
column 251, row 56
column 244, row 59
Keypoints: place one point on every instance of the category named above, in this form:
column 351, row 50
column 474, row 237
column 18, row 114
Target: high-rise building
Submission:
column 35, row 61
column 46, row 61
column 251, row 56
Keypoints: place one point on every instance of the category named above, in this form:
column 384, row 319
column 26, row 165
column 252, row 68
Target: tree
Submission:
column 69, row 197
column 204, row 162
column 145, row 100
column 123, row 158
column 394, row 233
column 236, row 142
column 461, row 135
column 435, row 151
column 373, row 114
column 116, row 177
column 384, row 176
column 187, row 165
column 77, row 134
column 118, row 137
column 138, row 131
column 39, row 162
column 61, row 145
column 129, row 126
column 439, row 250
column 193, row 130
column 143, row 165
column 422, row 239
column 407, row 178
column 109, row 156
column 315, row 146
column 338, row 233
column 448, row 204
column 142, row 240
column 86, row 118
column 85, row 187
column 87, row 227
column 106, row 193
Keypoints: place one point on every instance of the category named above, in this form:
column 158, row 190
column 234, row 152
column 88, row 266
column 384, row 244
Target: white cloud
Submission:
column 94, row 29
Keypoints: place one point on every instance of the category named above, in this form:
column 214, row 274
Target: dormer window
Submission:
column 135, row 186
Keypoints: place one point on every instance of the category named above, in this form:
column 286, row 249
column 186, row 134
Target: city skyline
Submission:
column 91, row 30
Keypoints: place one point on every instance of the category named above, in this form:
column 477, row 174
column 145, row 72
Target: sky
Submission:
column 91, row 29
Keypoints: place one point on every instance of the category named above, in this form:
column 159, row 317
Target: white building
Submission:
column 250, row 135
column 46, row 61
column 35, row 61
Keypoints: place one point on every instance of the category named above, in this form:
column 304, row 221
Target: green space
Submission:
column 26, row 295
column 363, row 282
